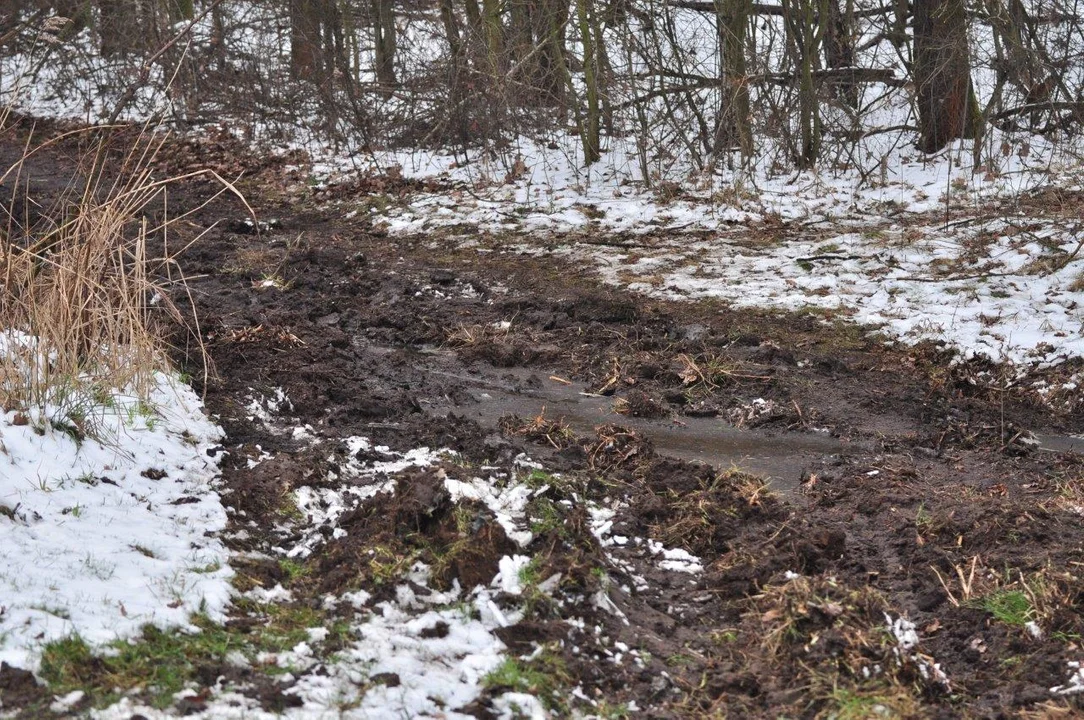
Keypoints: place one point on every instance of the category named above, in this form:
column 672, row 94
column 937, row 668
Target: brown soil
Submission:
column 933, row 506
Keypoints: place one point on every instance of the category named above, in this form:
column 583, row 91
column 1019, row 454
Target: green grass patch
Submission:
column 546, row 516
column 847, row 704
column 161, row 663
column 288, row 509
column 546, row 677
column 1012, row 607
column 293, row 569
column 540, row 478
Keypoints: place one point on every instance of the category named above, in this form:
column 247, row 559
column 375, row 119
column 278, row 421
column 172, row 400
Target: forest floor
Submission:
column 467, row 478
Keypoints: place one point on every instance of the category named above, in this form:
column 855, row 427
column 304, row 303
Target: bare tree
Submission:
column 385, row 38
column 732, row 124
column 947, row 108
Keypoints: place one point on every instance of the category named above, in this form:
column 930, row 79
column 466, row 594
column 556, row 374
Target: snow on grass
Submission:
column 439, row 656
column 422, row 654
column 1004, row 288
column 508, row 503
column 1075, row 684
column 542, row 186
column 411, row 657
column 361, row 480
column 416, row 651
column 100, row 537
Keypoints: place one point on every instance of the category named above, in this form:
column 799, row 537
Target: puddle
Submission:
column 1061, row 443
column 779, row 456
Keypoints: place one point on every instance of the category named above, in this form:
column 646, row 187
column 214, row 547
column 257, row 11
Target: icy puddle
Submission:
column 778, row 456
column 1061, row 443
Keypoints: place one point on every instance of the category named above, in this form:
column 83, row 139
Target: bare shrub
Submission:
column 85, row 303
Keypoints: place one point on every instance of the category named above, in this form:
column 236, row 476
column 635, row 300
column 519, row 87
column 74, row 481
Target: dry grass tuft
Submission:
column 555, row 432
column 84, row 301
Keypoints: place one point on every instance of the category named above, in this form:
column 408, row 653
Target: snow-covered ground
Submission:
column 1005, row 288
column 979, row 287
column 439, row 646
column 100, row 537
column 435, row 672
column 934, row 252
column 535, row 187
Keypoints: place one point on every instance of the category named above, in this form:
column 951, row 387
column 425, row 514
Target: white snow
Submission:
column 519, row 706
column 64, row 703
column 508, row 578
column 436, row 672
column 986, row 288
column 906, row 635
column 360, row 481
column 102, row 539
column 508, row 503
column 423, row 654
column 671, row 559
column 1075, row 684
column 905, row 632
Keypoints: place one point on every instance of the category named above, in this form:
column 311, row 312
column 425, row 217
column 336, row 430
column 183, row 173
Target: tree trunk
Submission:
column 732, row 126
column 452, row 33
column 589, row 131
column 218, row 38
column 384, row 41
column 942, row 73
column 605, row 71
column 838, row 29
column 305, row 62
column 551, row 18
column 803, row 39
column 493, row 34
column 457, row 123
column 520, row 39
column 113, row 17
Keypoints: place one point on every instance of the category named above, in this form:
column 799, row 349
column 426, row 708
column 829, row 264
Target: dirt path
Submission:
column 913, row 555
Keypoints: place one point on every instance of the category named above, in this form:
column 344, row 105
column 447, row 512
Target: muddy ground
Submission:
column 848, row 484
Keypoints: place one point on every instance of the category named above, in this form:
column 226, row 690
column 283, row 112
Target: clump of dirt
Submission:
column 616, row 448
column 831, row 645
column 552, row 431
column 416, row 521
column 637, row 403
column 19, row 688
column 698, row 508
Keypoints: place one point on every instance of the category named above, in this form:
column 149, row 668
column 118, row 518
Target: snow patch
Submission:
column 100, row 539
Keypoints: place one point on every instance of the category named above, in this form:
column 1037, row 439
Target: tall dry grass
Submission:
column 85, row 308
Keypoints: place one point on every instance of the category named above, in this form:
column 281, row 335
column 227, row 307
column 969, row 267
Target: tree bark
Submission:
column 305, row 62
column 384, row 40
column 803, row 39
column 942, row 73
column 113, row 17
column 732, row 126
column 838, row 29
column 590, row 130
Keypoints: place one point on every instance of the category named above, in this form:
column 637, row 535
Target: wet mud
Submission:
column 829, row 484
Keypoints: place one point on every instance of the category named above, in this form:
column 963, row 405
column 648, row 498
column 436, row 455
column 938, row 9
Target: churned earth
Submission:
column 465, row 479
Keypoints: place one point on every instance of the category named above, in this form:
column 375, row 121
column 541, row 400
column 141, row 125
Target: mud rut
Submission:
column 905, row 501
